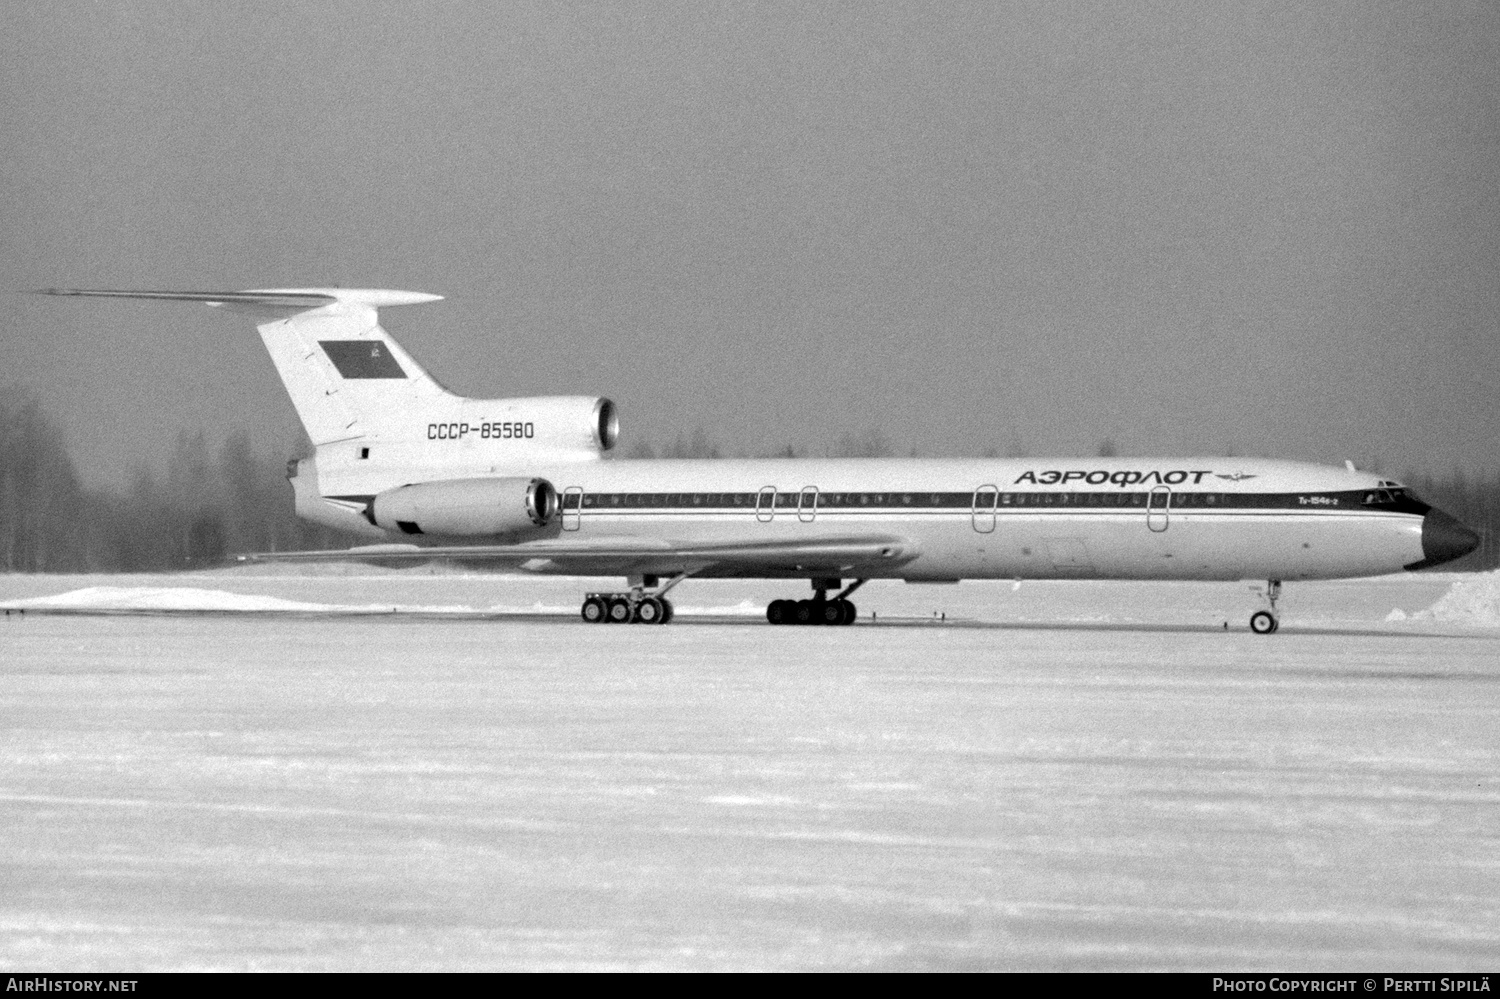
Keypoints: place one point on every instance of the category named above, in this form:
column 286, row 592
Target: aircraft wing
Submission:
column 633, row 556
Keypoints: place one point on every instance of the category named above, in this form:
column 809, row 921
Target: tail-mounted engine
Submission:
column 567, row 426
column 467, row 507
column 606, row 424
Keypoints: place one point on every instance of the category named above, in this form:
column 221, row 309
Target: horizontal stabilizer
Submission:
column 279, row 298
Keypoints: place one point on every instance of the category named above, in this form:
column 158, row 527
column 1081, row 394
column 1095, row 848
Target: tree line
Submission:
column 210, row 502
column 206, row 504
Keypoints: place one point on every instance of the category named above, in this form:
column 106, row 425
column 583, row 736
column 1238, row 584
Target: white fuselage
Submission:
column 1075, row 518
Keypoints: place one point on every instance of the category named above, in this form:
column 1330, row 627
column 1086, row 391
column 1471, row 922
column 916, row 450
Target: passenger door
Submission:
column 572, row 508
column 1158, row 508
column 807, row 504
column 765, row 504
column 982, row 512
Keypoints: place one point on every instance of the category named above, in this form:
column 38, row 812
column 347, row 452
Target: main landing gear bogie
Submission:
column 821, row 609
column 625, row 608
column 639, row 606
column 833, row 612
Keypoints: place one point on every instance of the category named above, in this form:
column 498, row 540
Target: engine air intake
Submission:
column 606, row 424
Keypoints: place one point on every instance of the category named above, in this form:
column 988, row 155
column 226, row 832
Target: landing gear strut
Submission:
column 1266, row 621
column 638, row 606
column 821, row 609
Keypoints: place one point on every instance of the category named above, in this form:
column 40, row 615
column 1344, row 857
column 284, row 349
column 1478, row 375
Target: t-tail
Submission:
column 376, row 418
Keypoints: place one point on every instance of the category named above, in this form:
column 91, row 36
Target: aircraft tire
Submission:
column 647, row 611
column 1263, row 622
column 802, row 612
column 619, row 611
column 830, row 612
column 776, row 612
column 594, row 611
column 666, row 611
column 848, row 612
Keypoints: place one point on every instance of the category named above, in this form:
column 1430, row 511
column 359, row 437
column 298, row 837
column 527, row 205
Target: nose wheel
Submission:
column 1265, row 622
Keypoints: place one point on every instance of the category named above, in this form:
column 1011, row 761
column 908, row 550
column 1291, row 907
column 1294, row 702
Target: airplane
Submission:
column 524, row 484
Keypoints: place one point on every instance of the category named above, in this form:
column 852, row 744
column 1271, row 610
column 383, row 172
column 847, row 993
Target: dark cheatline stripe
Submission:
column 886, row 502
column 362, row 358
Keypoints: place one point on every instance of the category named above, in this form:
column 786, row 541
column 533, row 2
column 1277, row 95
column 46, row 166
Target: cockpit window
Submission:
column 1395, row 497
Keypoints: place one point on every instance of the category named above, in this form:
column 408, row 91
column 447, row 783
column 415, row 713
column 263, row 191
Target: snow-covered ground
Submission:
column 277, row 771
column 1404, row 602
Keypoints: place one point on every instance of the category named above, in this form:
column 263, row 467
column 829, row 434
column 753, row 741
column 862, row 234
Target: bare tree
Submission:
column 43, row 521
column 869, row 443
column 697, row 446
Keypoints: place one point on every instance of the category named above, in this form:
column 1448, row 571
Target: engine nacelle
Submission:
column 467, row 506
column 574, row 424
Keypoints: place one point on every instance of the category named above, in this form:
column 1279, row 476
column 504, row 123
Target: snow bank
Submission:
column 1475, row 600
column 179, row 598
column 194, row 600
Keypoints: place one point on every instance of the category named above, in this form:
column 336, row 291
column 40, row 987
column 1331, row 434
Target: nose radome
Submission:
column 1444, row 539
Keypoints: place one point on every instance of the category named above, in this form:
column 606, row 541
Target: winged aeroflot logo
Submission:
column 1236, row 477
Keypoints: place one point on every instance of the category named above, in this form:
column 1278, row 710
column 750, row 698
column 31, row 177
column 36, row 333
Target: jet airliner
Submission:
column 522, row 484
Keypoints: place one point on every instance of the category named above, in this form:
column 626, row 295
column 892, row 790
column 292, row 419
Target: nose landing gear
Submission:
column 1267, row 621
column 838, row 610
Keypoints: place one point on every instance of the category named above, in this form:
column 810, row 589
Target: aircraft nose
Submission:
column 1444, row 539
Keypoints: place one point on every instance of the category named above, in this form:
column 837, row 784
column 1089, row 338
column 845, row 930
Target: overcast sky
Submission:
column 1190, row 228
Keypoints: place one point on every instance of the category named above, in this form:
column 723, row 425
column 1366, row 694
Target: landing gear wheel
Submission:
column 619, row 611
column 666, row 611
column 594, row 610
column 820, row 611
column 648, row 611
column 1263, row 622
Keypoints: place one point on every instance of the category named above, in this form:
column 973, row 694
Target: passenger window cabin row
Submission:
column 902, row 500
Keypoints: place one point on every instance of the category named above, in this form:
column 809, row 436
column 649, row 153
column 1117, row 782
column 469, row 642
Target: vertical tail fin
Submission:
column 345, row 375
